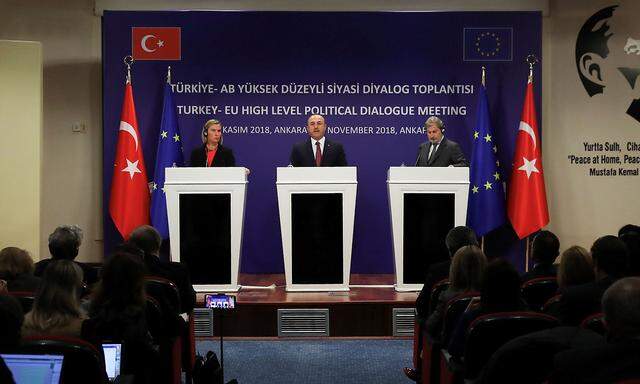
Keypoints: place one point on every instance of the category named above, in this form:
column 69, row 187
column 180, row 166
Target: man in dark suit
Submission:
column 619, row 359
column 64, row 244
column 149, row 241
column 438, row 151
column 610, row 262
column 545, row 249
column 319, row 151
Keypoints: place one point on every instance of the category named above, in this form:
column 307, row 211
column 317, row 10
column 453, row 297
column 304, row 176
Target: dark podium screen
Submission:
column 428, row 217
column 205, row 237
column 316, row 221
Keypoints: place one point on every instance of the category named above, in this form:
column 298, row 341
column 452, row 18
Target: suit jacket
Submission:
column 332, row 155
column 580, row 301
column 176, row 273
column 448, row 153
column 609, row 363
column 23, row 282
column 223, row 158
column 89, row 275
column 435, row 273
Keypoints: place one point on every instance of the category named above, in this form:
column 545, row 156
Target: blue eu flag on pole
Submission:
column 169, row 155
column 486, row 195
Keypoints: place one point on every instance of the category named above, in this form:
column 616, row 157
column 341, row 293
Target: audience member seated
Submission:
column 148, row 239
column 632, row 240
column 118, row 315
column 467, row 268
column 544, row 250
column 11, row 318
column 629, row 228
column 64, row 244
column 619, row 359
column 610, row 260
column 16, row 268
column 575, row 268
column 56, row 309
column 465, row 273
column 499, row 292
column 457, row 238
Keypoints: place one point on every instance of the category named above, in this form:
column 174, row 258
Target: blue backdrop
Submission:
column 390, row 69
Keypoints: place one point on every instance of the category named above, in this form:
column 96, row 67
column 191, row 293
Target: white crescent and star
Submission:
column 132, row 168
column 143, row 43
column 124, row 126
column 529, row 166
column 528, row 130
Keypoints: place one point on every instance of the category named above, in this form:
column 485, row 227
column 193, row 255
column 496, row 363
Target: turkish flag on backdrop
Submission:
column 155, row 43
column 526, row 195
column 129, row 203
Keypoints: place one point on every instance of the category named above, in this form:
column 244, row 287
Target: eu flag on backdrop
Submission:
column 169, row 155
column 488, row 44
column 486, row 195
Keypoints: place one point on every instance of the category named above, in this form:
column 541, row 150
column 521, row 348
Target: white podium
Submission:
column 317, row 211
column 226, row 189
column 408, row 182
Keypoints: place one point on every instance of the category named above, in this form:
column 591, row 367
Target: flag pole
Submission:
column 531, row 60
column 128, row 60
column 483, row 84
column 526, row 257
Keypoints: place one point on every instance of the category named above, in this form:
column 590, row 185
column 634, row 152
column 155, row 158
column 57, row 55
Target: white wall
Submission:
column 20, row 143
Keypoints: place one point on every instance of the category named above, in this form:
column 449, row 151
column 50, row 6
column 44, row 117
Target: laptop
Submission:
column 34, row 369
column 112, row 357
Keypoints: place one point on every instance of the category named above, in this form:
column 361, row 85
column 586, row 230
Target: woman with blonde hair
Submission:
column 56, row 309
column 576, row 267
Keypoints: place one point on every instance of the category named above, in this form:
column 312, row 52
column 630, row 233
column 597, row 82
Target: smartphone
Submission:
column 220, row 301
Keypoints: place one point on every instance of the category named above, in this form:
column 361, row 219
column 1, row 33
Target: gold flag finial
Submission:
column 169, row 75
column 531, row 60
column 484, row 75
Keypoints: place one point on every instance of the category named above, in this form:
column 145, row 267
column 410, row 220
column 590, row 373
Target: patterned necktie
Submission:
column 318, row 154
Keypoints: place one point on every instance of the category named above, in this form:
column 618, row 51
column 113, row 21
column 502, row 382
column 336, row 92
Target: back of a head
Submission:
column 576, row 267
column 65, row 241
column 147, row 238
column 57, row 299
column 122, row 283
column 14, row 262
column 632, row 240
column 621, row 307
column 546, row 247
column 459, row 237
column 629, row 228
column 467, row 268
column 610, row 255
column 500, row 287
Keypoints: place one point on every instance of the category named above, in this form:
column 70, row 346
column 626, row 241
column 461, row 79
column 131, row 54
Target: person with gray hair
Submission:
column 438, row 151
column 619, row 359
column 64, row 244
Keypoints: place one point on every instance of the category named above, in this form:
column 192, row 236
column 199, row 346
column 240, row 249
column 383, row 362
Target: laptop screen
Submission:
column 112, row 355
column 36, row 369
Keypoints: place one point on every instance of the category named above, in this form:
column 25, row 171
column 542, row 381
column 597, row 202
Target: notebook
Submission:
column 112, row 357
column 34, row 369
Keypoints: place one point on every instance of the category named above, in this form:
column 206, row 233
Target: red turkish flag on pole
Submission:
column 129, row 204
column 526, row 196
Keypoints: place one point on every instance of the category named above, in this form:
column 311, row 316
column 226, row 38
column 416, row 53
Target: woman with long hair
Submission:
column 576, row 267
column 56, row 309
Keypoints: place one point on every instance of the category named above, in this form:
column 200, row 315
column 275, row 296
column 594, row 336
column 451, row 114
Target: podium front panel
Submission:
column 428, row 217
column 316, row 220
column 205, row 237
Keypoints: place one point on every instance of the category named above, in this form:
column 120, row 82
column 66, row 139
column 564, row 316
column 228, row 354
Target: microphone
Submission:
column 418, row 159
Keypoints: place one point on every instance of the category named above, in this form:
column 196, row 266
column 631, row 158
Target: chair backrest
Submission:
column 437, row 289
column 154, row 318
column 83, row 362
column 537, row 291
column 595, row 322
column 165, row 292
column 26, row 299
column 454, row 309
column 551, row 306
column 489, row 332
